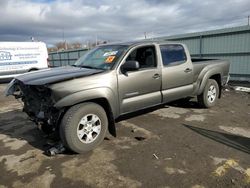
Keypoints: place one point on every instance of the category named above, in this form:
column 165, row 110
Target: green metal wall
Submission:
column 232, row 44
column 63, row 58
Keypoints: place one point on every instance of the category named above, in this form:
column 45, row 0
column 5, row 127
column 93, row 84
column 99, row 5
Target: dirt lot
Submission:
column 178, row 145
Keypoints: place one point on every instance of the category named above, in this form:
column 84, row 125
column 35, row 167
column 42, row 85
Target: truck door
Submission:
column 141, row 88
column 177, row 73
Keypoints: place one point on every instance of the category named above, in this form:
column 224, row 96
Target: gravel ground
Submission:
column 177, row 145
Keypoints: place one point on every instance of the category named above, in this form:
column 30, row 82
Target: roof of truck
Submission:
column 138, row 42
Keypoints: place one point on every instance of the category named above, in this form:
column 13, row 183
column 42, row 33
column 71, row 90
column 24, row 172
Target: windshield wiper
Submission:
column 87, row 66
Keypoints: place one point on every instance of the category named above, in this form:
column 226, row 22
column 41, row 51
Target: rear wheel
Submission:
column 32, row 70
column 209, row 96
column 83, row 127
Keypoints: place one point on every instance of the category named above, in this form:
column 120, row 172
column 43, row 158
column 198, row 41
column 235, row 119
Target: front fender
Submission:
column 90, row 94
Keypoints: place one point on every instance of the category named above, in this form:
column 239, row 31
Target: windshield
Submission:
column 103, row 57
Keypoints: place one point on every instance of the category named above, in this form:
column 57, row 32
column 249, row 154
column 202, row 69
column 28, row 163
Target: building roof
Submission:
column 239, row 29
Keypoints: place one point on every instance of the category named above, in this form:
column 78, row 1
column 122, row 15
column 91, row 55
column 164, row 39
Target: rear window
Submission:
column 172, row 54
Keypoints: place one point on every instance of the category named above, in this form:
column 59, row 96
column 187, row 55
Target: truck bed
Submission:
column 201, row 59
column 199, row 64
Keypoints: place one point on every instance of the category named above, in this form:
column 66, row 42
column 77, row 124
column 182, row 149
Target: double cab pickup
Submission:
column 83, row 101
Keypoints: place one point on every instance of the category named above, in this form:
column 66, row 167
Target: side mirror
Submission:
column 130, row 66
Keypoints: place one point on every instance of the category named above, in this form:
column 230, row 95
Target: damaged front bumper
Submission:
column 11, row 88
column 38, row 103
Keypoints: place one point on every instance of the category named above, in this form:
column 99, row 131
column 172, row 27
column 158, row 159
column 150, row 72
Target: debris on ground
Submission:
column 57, row 149
column 171, row 171
column 233, row 181
column 240, row 88
column 155, row 156
column 168, row 158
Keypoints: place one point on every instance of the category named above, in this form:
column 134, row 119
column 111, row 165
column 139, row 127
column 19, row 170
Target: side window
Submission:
column 173, row 54
column 145, row 56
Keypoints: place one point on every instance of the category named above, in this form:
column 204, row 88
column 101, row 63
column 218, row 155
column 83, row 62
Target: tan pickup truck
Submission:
column 83, row 101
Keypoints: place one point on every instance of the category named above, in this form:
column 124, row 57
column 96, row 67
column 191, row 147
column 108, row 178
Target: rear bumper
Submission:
column 225, row 80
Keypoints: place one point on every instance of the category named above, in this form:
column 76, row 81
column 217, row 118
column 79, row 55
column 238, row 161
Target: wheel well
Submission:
column 105, row 104
column 217, row 78
column 33, row 69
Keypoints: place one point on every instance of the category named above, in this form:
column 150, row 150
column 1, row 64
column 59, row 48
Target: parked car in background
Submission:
column 20, row 57
column 83, row 101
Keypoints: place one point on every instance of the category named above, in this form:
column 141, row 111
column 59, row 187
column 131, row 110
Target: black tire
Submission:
column 32, row 70
column 206, row 100
column 71, row 122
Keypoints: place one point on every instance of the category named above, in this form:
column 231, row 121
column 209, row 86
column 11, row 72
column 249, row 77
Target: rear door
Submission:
column 177, row 72
column 6, row 68
column 31, row 56
column 140, row 89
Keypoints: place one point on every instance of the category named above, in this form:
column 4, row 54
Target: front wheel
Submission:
column 83, row 127
column 209, row 96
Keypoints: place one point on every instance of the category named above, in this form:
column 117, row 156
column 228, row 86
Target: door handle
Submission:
column 187, row 70
column 156, row 76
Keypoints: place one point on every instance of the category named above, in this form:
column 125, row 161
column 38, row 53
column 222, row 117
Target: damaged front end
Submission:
column 38, row 103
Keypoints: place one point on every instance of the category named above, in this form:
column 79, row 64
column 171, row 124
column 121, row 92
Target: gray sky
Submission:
column 115, row 20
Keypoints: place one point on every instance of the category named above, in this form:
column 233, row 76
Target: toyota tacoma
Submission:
column 81, row 102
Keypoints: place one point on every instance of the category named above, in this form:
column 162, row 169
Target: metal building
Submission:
column 67, row 57
column 232, row 44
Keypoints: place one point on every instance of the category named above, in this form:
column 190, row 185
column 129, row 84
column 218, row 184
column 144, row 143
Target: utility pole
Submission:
column 152, row 35
column 248, row 20
column 96, row 40
column 64, row 41
column 63, row 34
column 88, row 46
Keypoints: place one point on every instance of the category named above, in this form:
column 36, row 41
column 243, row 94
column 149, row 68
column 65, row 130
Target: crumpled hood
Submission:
column 55, row 75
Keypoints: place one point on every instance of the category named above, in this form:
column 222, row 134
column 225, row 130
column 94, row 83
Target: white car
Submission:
column 20, row 57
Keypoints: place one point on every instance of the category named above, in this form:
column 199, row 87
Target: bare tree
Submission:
column 61, row 46
column 75, row 45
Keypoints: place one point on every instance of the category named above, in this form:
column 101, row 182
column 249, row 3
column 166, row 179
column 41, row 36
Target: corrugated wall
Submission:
column 232, row 44
column 63, row 58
